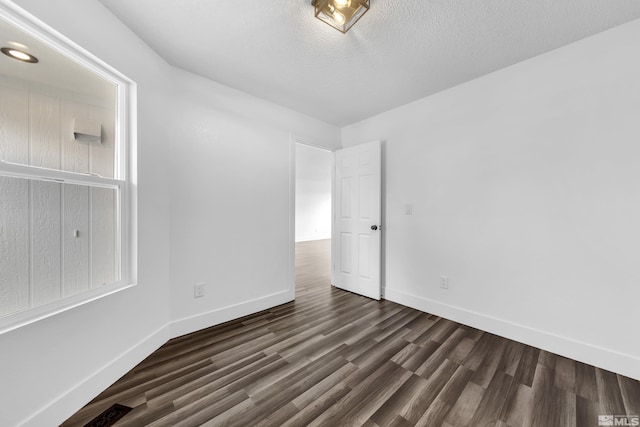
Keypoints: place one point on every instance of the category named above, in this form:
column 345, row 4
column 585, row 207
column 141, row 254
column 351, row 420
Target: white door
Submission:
column 356, row 236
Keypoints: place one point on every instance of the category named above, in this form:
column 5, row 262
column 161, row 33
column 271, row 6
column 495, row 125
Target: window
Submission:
column 66, row 175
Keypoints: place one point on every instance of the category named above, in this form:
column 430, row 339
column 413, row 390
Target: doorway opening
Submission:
column 313, row 186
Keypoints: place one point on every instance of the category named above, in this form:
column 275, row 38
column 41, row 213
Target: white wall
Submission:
column 52, row 367
column 232, row 181
column 524, row 185
column 512, row 178
column 313, row 193
column 215, row 175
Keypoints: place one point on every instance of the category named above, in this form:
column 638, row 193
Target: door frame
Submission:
column 293, row 140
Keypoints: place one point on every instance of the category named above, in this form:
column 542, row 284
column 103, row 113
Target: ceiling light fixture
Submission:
column 340, row 14
column 19, row 55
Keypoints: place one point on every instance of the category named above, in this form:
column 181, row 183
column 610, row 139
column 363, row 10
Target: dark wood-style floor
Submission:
column 332, row 358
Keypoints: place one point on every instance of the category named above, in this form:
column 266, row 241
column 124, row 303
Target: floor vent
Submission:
column 109, row 417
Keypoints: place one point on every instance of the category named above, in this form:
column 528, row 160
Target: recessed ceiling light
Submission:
column 19, row 55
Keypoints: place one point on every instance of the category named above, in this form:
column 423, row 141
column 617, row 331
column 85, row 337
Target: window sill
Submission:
column 19, row 319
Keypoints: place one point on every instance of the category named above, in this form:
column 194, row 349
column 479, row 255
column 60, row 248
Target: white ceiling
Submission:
column 400, row 51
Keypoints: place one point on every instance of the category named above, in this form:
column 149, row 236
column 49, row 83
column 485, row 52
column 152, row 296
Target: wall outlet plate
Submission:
column 444, row 282
column 198, row 290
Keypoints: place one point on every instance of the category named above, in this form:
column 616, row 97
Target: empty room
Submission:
column 319, row 213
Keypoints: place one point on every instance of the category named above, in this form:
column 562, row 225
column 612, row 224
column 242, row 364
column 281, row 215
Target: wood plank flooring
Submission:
column 332, row 358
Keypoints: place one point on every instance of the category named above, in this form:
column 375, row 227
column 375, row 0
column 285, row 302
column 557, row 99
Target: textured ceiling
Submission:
column 400, row 51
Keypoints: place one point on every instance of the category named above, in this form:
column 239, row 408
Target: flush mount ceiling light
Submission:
column 340, row 14
column 19, row 55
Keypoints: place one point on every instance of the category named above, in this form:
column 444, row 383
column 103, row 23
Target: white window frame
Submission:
column 124, row 181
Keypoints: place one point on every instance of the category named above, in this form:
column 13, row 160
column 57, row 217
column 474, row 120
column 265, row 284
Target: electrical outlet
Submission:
column 444, row 282
column 408, row 209
column 198, row 290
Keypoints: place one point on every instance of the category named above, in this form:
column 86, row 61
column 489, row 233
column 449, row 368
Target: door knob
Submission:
column 374, row 227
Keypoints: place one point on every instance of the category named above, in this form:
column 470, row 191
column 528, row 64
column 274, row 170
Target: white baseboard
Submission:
column 215, row 317
column 312, row 238
column 61, row 408
column 601, row 357
column 68, row 403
